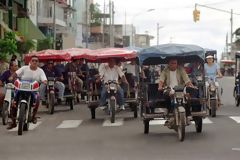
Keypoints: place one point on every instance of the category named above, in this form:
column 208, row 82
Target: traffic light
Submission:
column 196, row 15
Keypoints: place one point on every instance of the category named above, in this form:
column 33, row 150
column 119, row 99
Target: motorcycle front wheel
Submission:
column 5, row 113
column 21, row 118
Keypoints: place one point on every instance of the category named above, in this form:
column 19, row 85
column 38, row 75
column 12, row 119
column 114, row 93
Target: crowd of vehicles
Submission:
column 141, row 93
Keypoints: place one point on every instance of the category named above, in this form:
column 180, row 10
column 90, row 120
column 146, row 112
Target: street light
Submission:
column 158, row 28
column 149, row 10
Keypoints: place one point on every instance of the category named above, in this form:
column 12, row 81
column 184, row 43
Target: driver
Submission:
column 111, row 72
column 51, row 71
column 29, row 72
column 173, row 75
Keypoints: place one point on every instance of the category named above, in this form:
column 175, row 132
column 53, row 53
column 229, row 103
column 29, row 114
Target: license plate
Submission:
column 25, row 86
column 50, row 83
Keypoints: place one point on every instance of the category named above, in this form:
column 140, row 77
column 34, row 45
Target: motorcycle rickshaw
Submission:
column 187, row 103
column 212, row 92
column 101, row 56
column 51, row 94
column 78, row 54
column 236, row 92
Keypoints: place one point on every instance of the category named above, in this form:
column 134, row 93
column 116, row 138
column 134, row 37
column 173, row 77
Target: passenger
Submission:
column 131, row 73
column 51, row 71
column 33, row 72
column 73, row 67
column 6, row 78
column 60, row 67
column 112, row 72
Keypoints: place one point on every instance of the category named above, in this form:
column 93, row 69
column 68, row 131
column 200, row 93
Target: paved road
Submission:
column 71, row 135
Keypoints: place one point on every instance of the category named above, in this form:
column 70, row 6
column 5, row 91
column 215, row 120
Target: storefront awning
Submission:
column 28, row 29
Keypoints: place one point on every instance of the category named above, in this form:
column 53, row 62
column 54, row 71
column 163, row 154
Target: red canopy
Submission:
column 47, row 55
column 78, row 53
column 102, row 55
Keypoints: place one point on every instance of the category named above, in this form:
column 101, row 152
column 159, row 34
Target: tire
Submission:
column 51, row 103
column 181, row 126
column 213, row 108
column 93, row 113
column 21, row 118
column 112, row 109
column 146, row 126
column 237, row 101
column 71, row 103
column 198, row 124
column 5, row 113
column 135, row 111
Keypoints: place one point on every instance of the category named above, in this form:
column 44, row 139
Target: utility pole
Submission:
column 125, row 22
column 54, row 24
column 104, row 21
column 157, row 33
column 86, row 24
column 231, row 41
column 10, row 14
column 112, row 25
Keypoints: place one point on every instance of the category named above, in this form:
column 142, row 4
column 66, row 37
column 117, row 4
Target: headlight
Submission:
column 199, row 78
column 212, row 88
column 179, row 95
column 112, row 86
column 51, row 83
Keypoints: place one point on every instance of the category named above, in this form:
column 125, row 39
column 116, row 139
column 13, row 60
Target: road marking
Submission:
column 157, row 122
column 236, row 149
column 31, row 127
column 118, row 122
column 235, row 118
column 69, row 124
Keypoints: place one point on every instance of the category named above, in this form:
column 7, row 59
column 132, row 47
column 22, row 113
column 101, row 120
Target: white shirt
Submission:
column 173, row 79
column 131, row 69
column 27, row 74
column 112, row 74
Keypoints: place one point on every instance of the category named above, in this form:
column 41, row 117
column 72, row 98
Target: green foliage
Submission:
column 25, row 46
column 8, row 45
column 95, row 14
column 44, row 44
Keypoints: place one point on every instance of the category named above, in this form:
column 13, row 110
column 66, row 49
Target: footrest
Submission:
column 199, row 114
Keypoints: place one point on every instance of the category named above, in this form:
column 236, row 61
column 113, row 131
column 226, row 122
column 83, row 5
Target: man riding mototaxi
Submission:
column 29, row 72
column 112, row 72
column 51, row 71
column 173, row 75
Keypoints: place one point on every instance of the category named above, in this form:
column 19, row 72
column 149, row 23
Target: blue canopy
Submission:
column 161, row 53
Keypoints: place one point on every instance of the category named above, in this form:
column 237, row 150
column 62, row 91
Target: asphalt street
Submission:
column 71, row 135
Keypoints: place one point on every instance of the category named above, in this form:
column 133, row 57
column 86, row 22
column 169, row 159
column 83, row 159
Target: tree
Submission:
column 44, row 44
column 25, row 46
column 95, row 14
column 8, row 45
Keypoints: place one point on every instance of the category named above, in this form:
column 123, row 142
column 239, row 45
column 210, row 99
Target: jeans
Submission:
column 119, row 97
column 58, row 85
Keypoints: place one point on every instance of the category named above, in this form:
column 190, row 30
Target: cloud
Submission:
column 177, row 18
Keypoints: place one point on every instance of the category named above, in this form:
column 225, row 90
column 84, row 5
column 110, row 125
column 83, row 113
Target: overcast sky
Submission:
column 177, row 18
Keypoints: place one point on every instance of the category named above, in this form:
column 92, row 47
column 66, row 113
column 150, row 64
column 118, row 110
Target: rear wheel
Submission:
column 93, row 113
column 21, row 118
column 146, row 126
column 181, row 126
column 213, row 106
column 51, row 103
column 198, row 124
column 112, row 109
column 71, row 103
column 5, row 112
